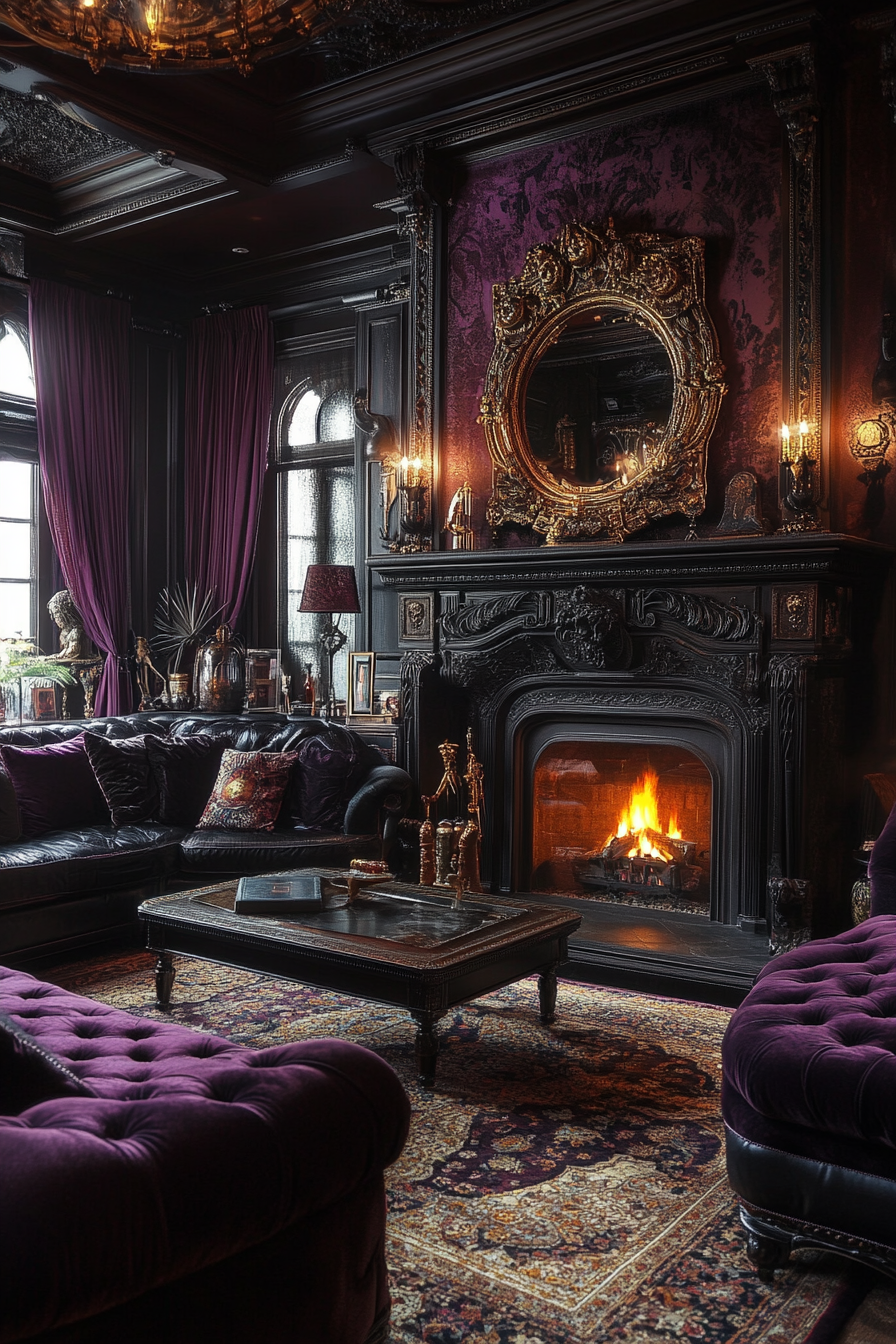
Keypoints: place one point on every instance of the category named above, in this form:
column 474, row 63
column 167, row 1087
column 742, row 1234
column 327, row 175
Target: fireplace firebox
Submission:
column 622, row 820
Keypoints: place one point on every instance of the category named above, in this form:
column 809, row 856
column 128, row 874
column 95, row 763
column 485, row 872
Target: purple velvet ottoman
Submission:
column 203, row 1192
column 809, row 1100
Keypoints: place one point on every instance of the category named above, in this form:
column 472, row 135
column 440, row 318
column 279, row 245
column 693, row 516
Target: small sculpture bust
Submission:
column 73, row 642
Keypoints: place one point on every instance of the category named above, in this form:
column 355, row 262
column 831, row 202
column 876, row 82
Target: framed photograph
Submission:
column 263, row 679
column 360, row 689
column 43, row 702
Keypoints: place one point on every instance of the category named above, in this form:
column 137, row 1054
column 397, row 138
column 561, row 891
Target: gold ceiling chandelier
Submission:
column 167, row 34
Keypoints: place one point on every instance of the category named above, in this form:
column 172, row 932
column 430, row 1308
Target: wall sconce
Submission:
column 868, row 444
column 411, row 506
column 798, row 478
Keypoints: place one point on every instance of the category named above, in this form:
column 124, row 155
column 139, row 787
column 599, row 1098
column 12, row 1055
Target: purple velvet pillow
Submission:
column 185, row 770
column 321, row 785
column 56, row 788
column 122, row 770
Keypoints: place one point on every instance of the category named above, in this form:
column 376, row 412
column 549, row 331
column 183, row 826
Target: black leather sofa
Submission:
column 69, row 888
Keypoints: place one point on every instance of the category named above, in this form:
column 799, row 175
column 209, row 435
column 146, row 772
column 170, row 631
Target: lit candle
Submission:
column 413, row 473
column 785, row 443
column 403, row 472
column 804, row 430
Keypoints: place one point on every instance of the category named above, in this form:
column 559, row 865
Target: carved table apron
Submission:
column 409, row 947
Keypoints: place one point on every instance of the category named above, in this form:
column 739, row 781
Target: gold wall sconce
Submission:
column 869, row 444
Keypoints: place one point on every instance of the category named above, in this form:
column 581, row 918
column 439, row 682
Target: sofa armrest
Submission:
column 387, row 789
column 882, row 869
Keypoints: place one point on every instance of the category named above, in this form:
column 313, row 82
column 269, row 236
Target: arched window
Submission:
column 16, row 377
column 315, row 450
column 301, row 425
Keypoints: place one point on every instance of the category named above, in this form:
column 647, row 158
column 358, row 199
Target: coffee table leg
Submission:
column 164, row 979
column 547, row 993
column 427, row 1047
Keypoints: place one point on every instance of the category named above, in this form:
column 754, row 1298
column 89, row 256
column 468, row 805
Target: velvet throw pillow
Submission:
column 10, row 822
column 322, row 782
column 122, row 770
column 248, row 791
column 55, row 787
column 185, row 770
column 29, row 1074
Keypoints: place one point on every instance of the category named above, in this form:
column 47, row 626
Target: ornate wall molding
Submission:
column 791, row 75
column 419, row 220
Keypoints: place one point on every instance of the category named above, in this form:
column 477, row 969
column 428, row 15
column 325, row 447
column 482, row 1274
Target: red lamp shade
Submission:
column 330, row 588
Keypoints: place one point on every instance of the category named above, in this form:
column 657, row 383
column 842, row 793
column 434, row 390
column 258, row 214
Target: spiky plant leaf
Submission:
column 182, row 618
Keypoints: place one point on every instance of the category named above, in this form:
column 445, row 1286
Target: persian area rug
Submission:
column 561, row 1185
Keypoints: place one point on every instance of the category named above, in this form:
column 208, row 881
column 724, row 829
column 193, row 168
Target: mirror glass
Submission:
column 597, row 401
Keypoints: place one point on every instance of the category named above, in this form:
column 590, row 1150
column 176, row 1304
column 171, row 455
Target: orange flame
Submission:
column 643, row 814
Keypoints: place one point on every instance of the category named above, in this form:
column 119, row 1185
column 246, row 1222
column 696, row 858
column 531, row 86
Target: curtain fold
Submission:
column 81, row 354
column 230, row 367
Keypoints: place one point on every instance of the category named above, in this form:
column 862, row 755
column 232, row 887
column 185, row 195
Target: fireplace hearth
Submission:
column 727, row 667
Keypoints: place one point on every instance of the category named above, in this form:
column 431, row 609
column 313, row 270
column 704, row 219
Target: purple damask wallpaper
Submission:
column 713, row 169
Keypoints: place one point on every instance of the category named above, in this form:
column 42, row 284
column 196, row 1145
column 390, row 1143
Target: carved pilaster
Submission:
column 788, row 680
column 792, row 77
column 419, row 220
column 413, row 666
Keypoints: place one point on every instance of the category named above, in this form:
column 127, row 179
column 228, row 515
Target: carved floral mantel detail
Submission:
column 659, row 282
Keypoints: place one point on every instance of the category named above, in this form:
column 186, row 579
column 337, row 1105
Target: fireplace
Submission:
column 622, row 820
column 727, row 667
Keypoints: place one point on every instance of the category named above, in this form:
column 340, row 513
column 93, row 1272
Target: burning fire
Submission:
column 641, row 821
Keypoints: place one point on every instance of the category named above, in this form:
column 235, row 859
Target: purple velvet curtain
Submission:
column 230, row 366
column 80, row 348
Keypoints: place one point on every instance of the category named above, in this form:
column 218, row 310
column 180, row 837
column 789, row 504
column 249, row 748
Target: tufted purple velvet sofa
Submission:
column 206, row 1194
column 809, row 1100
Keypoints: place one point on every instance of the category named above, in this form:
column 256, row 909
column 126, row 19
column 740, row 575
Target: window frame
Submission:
column 323, row 454
column 18, row 443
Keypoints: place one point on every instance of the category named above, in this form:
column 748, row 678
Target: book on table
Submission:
column 284, row 894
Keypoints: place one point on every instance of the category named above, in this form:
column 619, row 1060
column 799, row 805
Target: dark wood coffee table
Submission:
column 410, row 947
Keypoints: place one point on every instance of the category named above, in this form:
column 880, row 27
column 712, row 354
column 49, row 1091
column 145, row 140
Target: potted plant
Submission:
column 182, row 620
column 21, row 660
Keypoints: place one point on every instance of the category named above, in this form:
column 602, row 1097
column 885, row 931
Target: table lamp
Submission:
column 332, row 590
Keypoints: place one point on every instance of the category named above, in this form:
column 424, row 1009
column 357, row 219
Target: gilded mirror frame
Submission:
column 660, row 282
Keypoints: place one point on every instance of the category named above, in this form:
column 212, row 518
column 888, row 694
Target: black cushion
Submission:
column 29, row 1074
column 125, row 776
column 185, row 771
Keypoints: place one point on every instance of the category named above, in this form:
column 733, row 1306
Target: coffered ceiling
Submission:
column 191, row 181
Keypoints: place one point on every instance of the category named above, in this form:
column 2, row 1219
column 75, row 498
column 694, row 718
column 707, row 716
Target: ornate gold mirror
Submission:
column 604, row 385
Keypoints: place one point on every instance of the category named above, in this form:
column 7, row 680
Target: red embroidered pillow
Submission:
column 248, row 791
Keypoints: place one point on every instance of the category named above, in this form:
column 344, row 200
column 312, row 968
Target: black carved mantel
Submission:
column 751, row 653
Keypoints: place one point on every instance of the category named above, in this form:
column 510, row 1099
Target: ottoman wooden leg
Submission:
column 767, row 1249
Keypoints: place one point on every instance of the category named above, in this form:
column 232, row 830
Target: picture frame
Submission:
column 263, row 680
column 360, row 683
column 43, row 702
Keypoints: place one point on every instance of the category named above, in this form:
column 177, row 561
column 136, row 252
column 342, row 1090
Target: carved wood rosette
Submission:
column 792, row 78
column 659, row 283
